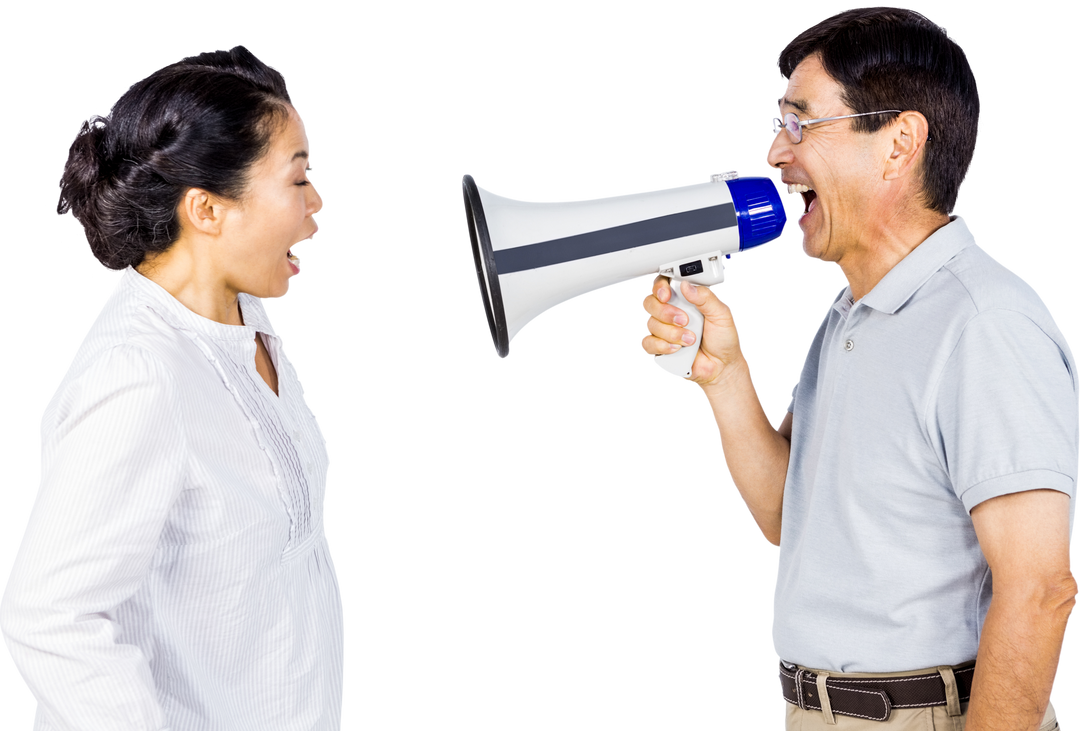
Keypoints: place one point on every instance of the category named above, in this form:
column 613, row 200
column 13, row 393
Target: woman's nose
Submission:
column 320, row 202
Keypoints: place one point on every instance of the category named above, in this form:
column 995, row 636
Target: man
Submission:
column 932, row 439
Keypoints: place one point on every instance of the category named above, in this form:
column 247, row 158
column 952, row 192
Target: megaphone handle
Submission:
column 681, row 362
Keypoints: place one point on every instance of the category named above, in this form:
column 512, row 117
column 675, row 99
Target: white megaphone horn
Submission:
column 532, row 256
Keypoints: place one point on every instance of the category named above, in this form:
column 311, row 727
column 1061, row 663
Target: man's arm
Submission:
column 755, row 452
column 1025, row 538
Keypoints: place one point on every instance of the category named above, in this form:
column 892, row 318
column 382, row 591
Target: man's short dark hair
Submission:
column 888, row 58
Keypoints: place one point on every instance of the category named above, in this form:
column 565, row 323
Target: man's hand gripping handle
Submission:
column 681, row 361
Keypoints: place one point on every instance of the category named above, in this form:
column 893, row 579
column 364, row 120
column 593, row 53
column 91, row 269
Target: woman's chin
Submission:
column 294, row 273
column 282, row 293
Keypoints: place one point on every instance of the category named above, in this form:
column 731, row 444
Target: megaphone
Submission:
column 532, row 256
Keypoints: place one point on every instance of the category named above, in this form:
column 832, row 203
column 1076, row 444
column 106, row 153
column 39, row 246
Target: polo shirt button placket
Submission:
column 849, row 345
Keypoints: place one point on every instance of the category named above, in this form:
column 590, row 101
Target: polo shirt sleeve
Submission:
column 113, row 465
column 1005, row 414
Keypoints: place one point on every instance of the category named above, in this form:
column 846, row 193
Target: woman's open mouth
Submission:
column 294, row 260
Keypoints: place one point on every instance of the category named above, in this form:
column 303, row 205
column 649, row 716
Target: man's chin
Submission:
column 809, row 245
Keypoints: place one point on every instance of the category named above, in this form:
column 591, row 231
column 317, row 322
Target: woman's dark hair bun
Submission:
column 200, row 123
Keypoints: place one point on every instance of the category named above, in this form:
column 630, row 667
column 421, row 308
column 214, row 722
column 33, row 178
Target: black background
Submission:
column 552, row 538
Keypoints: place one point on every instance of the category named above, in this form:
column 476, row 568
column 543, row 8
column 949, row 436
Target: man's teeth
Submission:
column 798, row 188
column 294, row 258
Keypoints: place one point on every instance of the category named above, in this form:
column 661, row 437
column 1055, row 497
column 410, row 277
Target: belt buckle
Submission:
column 801, row 675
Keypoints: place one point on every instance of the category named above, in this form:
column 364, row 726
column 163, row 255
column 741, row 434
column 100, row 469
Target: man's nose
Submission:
column 780, row 153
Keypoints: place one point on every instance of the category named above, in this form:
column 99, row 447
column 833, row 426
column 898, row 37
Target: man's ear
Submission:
column 909, row 134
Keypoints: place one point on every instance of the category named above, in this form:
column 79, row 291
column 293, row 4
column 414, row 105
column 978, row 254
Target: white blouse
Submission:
column 174, row 575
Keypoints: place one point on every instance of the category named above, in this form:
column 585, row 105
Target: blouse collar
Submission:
column 177, row 315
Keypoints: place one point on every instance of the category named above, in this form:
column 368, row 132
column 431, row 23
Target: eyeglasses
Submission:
column 794, row 125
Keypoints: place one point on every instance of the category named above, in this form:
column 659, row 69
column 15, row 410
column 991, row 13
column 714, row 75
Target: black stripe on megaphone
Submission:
column 616, row 238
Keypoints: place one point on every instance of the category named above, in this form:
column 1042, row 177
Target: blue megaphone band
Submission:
column 759, row 210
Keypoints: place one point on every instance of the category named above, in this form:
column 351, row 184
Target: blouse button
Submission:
column 849, row 345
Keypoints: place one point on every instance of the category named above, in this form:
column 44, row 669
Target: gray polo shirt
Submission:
column 947, row 385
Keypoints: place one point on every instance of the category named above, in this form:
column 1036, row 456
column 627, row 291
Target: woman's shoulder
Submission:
column 132, row 344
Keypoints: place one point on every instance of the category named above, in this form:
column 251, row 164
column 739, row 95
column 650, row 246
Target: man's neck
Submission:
column 867, row 263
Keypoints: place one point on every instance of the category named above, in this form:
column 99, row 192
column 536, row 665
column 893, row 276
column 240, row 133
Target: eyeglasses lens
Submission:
column 794, row 129
column 791, row 123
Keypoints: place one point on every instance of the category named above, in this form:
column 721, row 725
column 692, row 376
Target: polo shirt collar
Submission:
column 915, row 269
column 180, row 317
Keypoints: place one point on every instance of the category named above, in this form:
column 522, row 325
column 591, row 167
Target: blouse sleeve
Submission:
column 113, row 465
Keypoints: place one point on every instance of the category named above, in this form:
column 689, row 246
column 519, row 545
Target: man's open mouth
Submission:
column 808, row 194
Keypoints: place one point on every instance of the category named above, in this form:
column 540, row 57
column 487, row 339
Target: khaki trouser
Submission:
column 934, row 718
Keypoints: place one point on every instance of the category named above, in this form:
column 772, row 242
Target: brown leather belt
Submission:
column 872, row 698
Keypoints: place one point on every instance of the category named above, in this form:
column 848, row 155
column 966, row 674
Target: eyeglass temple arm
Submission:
column 847, row 116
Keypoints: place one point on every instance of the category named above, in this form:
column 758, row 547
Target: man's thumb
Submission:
column 694, row 294
column 705, row 300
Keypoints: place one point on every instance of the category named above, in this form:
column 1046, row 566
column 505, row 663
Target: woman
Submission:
column 174, row 574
